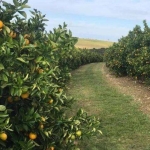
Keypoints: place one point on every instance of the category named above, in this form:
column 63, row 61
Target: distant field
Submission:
column 89, row 43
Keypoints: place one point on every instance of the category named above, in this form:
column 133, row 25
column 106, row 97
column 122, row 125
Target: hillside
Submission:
column 90, row 43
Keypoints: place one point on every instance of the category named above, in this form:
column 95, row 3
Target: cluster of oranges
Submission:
column 24, row 95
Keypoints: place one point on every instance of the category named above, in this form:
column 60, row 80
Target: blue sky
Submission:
column 94, row 19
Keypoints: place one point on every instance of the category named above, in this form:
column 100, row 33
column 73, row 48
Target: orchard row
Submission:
column 34, row 68
column 131, row 54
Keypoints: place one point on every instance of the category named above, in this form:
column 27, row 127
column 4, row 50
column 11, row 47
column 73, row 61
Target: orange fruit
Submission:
column 9, row 99
column 3, row 136
column 1, row 24
column 50, row 101
column 25, row 95
column 73, row 137
column 16, row 98
column 41, row 126
column 27, row 42
column 43, row 119
column 78, row 133
column 52, row 148
column 32, row 136
column 12, row 34
column 40, row 71
column 26, row 36
column 60, row 89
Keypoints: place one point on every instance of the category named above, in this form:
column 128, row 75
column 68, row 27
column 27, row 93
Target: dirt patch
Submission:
column 128, row 86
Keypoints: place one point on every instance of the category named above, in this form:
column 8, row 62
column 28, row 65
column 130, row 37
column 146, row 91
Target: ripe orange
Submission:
column 26, row 36
column 32, row 136
column 12, row 34
column 3, row 136
column 50, row 101
column 25, row 95
column 9, row 99
column 52, row 148
column 1, row 24
column 27, row 42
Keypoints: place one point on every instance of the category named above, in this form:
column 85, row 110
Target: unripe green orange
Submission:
column 50, row 101
column 78, row 133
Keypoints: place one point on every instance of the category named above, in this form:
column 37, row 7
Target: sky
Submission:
column 94, row 19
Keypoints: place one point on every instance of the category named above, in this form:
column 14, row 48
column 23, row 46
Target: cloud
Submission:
column 91, row 30
column 129, row 9
column 101, row 19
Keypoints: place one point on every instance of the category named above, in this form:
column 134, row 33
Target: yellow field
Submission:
column 89, row 43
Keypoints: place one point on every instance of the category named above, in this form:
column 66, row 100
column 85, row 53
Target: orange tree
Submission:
column 33, row 103
column 131, row 54
column 67, row 56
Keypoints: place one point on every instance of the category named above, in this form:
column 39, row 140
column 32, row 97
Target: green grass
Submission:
column 89, row 43
column 123, row 125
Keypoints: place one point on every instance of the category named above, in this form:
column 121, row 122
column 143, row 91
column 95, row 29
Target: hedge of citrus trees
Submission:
column 34, row 67
column 131, row 54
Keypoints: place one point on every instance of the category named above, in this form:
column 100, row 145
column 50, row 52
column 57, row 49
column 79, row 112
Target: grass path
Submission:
column 123, row 125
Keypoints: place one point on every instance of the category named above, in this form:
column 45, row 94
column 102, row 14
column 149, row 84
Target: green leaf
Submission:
column 32, row 12
column 2, row 143
column 7, row 29
column 21, row 59
column 25, row 2
column 70, row 33
column 2, row 120
column 19, row 92
column 25, row 127
column 12, row 91
column 25, row 6
column 2, row 108
column 31, row 111
column 26, row 77
column 38, row 59
column 100, row 131
column 21, row 39
column 4, row 78
column 23, row 14
column 16, row 92
column 64, row 25
column 45, row 19
column 16, row 2
column 1, row 66
column 5, row 3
